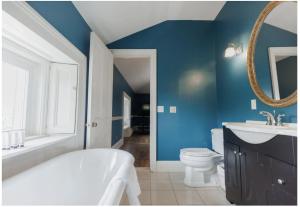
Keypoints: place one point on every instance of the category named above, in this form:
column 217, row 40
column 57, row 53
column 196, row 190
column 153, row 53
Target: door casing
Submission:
column 150, row 53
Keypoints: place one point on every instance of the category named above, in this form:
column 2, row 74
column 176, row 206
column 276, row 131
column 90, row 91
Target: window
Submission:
column 38, row 96
column 126, row 111
column 15, row 89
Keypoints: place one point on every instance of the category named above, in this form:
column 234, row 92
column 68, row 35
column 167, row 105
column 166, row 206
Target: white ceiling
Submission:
column 284, row 16
column 115, row 20
column 136, row 71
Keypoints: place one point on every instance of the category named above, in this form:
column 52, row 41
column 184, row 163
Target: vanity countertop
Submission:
column 256, row 132
column 287, row 129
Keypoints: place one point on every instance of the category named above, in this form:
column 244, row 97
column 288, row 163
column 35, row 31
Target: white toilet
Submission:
column 205, row 167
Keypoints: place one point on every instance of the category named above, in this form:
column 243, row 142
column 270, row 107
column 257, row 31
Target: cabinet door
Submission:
column 284, row 184
column 255, row 177
column 232, row 173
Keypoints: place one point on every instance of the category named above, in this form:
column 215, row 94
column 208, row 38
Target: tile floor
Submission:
column 166, row 188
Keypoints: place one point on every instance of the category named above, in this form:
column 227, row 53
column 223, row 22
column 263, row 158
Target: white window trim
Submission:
column 36, row 23
column 273, row 52
column 35, row 144
column 125, row 95
column 32, row 57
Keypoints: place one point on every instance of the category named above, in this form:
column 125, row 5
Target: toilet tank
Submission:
column 217, row 140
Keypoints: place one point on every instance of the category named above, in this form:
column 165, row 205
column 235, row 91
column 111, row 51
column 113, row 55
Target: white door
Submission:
column 100, row 91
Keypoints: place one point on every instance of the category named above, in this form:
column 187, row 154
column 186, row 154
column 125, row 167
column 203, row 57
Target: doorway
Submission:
column 138, row 132
column 136, row 128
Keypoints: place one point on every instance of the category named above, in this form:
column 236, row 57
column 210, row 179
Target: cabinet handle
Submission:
column 240, row 153
column 234, row 152
column 280, row 181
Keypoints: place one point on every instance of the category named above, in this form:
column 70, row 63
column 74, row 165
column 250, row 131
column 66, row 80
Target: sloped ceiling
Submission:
column 284, row 16
column 136, row 71
column 115, row 20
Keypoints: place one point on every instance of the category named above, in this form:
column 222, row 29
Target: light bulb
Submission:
column 230, row 52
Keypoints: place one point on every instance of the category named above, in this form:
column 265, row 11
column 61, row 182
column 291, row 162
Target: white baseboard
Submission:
column 169, row 166
column 118, row 144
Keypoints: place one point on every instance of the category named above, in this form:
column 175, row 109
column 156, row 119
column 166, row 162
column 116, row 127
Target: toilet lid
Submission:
column 197, row 152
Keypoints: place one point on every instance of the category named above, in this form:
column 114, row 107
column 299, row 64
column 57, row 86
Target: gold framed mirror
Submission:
column 271, row 97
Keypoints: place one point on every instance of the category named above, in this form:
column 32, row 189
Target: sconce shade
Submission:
column 233, row 50
column 229, row 52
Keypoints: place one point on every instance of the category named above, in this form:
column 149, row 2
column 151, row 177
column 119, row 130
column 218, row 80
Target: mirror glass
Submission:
column 276, row 52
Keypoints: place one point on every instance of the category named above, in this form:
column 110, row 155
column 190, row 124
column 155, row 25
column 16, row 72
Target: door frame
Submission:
column 142, row 53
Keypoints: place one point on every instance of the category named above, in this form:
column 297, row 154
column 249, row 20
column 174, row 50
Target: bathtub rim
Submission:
column 117, row 178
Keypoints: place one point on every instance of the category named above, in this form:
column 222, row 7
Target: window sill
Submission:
column 35, row 144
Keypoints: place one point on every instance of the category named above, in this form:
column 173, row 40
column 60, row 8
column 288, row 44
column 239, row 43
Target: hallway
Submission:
column 139, row 146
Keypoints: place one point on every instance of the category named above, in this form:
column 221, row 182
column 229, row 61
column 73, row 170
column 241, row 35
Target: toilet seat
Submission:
column 197, row 152
column 201, row 158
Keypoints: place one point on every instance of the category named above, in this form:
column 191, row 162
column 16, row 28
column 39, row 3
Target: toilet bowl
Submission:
column 201, row 163
column 201, row 158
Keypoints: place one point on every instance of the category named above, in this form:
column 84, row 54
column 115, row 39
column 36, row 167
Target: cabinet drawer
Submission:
column 280, row 197
column 284, row 176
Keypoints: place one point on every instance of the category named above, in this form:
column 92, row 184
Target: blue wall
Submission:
column 67, row 20
column 234, row 24
column 192, row 72
column 185, row 78
column 270, row 36
column 120, row 85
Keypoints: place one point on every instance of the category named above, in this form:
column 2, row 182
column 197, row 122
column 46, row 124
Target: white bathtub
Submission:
column 86, row 177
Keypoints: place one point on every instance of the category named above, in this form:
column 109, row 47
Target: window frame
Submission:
column 126, row 96
column 38, row 122
column 28, row 17
column 43, row 65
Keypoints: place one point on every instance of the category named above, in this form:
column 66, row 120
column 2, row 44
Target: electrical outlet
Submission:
column 160, row 109
column 173, row 109
column 253, row 104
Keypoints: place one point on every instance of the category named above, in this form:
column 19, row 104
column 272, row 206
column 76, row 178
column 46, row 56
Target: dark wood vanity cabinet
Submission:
column 260, row 174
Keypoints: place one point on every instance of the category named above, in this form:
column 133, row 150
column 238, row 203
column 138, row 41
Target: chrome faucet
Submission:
column 270, row 117
column 279, row 119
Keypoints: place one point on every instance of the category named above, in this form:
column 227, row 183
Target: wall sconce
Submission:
column 233, row 50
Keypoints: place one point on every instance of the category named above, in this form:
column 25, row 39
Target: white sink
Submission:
column 256, row 132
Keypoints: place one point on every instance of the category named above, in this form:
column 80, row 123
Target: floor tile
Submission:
column 160, row 176
column 124, row 200
column 161, row 185
column 213, row 196
column 142, row 169
column 181, row 186
column 163, row 198
column 145, row 198
column 188, row 198
column 144, row 175
column 145, row 184
column 177, row 176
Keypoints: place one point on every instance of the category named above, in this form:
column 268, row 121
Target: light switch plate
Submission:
column 173, row 109
column 253, row 104
column 160, row 109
